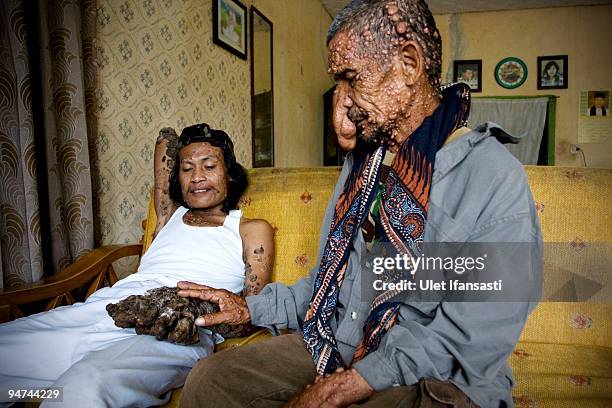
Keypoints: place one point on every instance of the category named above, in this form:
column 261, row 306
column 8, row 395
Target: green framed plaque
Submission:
column 511, row 72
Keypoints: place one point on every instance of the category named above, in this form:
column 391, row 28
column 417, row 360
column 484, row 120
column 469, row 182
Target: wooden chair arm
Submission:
column 94, row 267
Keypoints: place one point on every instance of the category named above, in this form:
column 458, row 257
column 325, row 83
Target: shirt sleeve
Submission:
column 465, row 342
column 279, row 306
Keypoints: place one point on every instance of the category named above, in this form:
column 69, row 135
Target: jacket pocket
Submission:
column 445, row 393
column 441, row 227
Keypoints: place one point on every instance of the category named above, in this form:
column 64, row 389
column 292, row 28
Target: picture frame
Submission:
column 230, row 26
column 553, row 72
column 595, row 104
column 468, row 72
column 511, row 72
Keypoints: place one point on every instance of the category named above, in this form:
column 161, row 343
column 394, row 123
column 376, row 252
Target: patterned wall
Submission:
column 158, row 67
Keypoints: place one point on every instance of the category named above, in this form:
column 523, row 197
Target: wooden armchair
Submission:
column 93, row 270
column 87, row 274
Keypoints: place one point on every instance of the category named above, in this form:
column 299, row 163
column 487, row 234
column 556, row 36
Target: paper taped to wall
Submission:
column 595, row 120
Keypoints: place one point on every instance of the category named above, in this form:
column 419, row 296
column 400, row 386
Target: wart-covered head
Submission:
column 383, row 26
column 386, row 58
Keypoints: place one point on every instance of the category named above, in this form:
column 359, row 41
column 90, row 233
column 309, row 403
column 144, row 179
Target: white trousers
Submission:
column 97, row 364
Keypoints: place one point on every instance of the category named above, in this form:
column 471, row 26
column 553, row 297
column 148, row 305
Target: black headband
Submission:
column 202, row 132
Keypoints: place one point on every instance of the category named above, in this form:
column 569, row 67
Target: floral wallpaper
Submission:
column 157, row 66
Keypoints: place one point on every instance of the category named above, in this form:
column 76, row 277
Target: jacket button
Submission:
column 353, row 315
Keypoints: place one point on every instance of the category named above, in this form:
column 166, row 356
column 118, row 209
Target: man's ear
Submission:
column 413, row 63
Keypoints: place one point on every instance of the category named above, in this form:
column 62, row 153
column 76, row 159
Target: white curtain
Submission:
column 519, row 117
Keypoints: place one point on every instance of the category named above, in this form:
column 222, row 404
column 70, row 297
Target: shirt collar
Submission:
column 461, row 144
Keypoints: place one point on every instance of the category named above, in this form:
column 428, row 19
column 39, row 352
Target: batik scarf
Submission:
column 403, row 212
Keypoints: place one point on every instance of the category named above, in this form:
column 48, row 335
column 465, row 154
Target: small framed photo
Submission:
column 595, row 103
column 511, row 72
column 552, row 72
column 230, row 26
column 469, row 72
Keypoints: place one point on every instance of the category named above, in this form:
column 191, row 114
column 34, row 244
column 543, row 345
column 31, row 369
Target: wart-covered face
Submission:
column 203, row 176
column 373, row 95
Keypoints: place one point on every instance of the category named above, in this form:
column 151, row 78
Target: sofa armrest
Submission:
column 93, row 268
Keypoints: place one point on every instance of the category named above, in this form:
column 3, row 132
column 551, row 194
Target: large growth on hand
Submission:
column 162, row 313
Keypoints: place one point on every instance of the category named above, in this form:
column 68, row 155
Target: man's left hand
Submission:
column 343, row 388
column 233, row 309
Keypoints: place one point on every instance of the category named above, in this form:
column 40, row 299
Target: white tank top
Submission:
column 209, row 256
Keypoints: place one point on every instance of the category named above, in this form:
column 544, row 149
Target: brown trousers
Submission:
column 269, row 373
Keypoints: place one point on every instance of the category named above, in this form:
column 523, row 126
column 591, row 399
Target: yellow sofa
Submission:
column 564, row 357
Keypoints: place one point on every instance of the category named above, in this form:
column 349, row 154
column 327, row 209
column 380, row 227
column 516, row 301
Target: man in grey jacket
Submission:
column 415, row 175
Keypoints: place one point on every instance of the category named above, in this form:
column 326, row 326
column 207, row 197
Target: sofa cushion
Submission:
column 558, row 375
column 576, row 323
column 294, row 202
column 573, row 203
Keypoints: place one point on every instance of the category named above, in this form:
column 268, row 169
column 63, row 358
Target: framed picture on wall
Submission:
column 552, row 72
column 511, row 72
column 469, row 72
column 595, row 103
column 230, row 26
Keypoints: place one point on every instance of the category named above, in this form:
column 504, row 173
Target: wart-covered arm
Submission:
column 166, row 149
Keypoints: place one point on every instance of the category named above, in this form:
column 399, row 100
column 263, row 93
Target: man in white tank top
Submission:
column 200, row 237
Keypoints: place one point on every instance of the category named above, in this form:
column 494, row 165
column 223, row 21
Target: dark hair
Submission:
column 237, row 178
column 599, row 95
column 547, row 67
column 373, row 16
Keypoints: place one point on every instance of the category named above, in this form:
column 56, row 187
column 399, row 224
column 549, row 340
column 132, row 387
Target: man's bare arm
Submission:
column 258, row 244
column 166, row 149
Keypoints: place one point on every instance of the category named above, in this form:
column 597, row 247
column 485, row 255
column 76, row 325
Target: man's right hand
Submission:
column 233, row 308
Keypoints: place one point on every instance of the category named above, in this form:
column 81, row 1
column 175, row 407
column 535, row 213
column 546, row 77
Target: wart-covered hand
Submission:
column 233, row 309
column 343, row 388
column 344, row 127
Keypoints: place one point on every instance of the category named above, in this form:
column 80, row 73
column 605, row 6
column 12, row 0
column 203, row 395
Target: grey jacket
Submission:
column 479, row 193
